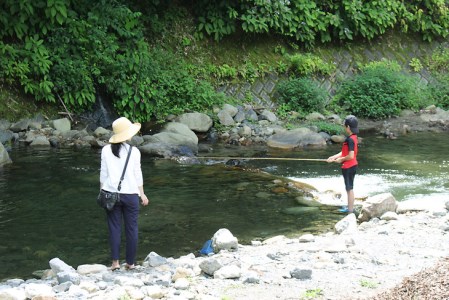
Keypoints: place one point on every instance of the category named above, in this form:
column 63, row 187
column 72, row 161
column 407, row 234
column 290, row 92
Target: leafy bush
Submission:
column 308, row 64
column 172, row 89
column 391, row 65
column 438, row 91
column 416, row 64
column 439, row 61
column 379, row 92
column 302, row 95
column 308, row 21
column 330, row 128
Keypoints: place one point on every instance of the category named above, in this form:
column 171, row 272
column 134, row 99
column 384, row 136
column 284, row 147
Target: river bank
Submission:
column 364, row 261
column 275, row 268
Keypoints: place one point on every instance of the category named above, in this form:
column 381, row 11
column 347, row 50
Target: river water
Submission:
column 48, row 208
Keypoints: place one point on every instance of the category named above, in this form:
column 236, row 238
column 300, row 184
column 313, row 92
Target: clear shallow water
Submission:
column 48, row 209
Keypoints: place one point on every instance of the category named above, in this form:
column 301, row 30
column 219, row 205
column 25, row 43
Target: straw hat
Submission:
column 123, row 130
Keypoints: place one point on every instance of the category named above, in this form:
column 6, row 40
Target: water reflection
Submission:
column 48, row 209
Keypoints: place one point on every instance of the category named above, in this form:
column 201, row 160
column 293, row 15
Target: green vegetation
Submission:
column 312, row 294
column 156, row 58
column 416, row 64
column 379, row 91
column 15, row 106
column 302, row 95
column 309, row 65
column 438, row 89
column 314, row 21
column 368, row 284
column 330, row 128
column 58, row 50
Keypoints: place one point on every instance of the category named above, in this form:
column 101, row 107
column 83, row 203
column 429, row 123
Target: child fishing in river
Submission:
column 348, row 158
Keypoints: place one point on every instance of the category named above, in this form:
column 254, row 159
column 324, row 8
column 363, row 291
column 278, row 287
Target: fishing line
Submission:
column 260, row 158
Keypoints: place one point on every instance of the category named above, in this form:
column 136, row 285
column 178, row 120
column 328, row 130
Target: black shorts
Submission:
column 348, row 175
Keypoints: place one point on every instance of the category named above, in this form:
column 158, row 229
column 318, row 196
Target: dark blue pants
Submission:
column 128, row 207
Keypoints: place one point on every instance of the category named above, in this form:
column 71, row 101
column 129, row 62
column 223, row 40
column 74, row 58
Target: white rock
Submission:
column 224, row 240
column 181, row 272
column 228, row 272
column 38, row 289
column 117, row 292
column 58, row 265
column 153, row 291
column 14, row 282
column 389, row 216
column 77, row 292
column 335, row 246
column 274, row 240
column 89, row 286
column 377, row 205
column 256, row 243
column 91, row 269
column 439, row 213
column 128, row 281
column 182, row 284
column 13, row 294
column 347, row 225
column 307, row 238
column 134, row 293
column 210, row 265
column 154, row 260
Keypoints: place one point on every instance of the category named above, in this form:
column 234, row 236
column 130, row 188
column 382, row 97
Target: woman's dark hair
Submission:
column 116, row 149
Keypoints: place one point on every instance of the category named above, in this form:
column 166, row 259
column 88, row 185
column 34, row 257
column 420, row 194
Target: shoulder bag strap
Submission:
column 124, row 168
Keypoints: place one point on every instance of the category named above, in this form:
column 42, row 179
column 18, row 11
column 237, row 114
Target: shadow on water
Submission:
column 48, row 208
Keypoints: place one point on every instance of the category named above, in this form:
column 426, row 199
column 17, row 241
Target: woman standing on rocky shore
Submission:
column 113, row 157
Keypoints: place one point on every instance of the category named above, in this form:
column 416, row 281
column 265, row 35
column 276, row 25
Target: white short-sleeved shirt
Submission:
column 112, row 168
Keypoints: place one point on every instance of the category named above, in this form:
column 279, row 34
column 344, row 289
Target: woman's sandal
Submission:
column 115, row 268
column 130, row 267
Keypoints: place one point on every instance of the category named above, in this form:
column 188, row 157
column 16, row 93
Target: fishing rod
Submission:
column 261, row 158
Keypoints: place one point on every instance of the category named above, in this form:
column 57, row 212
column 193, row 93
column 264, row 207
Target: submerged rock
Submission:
column 298, row 210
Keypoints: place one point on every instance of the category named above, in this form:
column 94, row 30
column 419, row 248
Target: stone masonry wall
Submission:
column 400, row 48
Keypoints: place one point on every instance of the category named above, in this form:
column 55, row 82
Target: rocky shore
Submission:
column 186, row 135
column 358, row 260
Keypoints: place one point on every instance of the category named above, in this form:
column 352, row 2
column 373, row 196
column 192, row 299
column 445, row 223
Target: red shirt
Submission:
column 350, row 144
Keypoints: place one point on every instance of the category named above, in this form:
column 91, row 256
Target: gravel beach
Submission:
column 382, row 260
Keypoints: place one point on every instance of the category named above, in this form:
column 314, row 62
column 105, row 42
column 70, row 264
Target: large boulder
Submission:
column 198, row 122
column 230, row 109
column 62, row 125
column 4, row 156
column 6, row 136
column 22, row 125
column 224, row 240
column 376, row 206
column 176, row 139
column 225, row 118
column 299, row 137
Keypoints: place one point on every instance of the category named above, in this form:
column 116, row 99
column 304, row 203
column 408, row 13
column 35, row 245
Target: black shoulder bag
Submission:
column 106, row 199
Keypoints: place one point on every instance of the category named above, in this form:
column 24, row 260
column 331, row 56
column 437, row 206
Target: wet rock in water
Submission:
column 186, row 160
column 233, row 162
column 280, row 190
column 303, row 186
column 307, row 201
column 297, row 210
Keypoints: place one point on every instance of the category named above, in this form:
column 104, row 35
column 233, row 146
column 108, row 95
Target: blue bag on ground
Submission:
column 207, row 248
